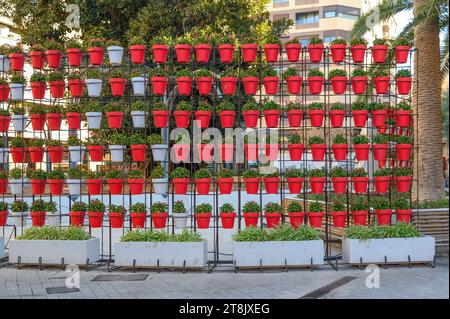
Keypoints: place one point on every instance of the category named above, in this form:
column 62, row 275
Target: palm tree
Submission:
column 430, row 18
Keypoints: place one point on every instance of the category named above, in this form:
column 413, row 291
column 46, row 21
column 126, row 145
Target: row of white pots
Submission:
column 94, row 119
column 4, row 155
column 4, row 63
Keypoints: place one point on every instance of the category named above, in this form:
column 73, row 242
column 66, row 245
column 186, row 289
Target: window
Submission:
column 341, row 12
column 307, row 17
column 331, row 35
column 280, row 1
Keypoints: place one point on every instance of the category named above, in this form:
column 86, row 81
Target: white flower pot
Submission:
column 160, row 185
column 180, row 220
column 138, row 84
column 17, row 91
column 19, row 218
column 74, row 186
column 115, row 54
column 159, row 152
column 116, row 152
column 94, row 120
column 138, row 119
column 4, row 155
column 17, row 186
column 53, row 219
column 77, row 153
column 94, row 87
column 19, row 122
column 4, row 63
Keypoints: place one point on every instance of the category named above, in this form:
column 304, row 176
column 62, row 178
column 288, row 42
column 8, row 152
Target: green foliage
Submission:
column 178, row 207
column 338, row 41
column 380, row 139
column 272, row 207
column 203, row 209
column 294, row 106
column 340, row 139
column 338, row 205
column 158, row 172
column 180, row 172
column 140, row 235
column 250, row 174
column 56, row 174
column 338, row 172
column 18, row 141
column 269, row 71
column 117, row 138
column 336, row 72
column 359, row 106
column 227, row 208
column 402, row 203
column 225, row 106
column 399, row 230
column 402, row 171
column 360, row 203
column 184, row 106
column 317, row 172
column 74, row 173
column 225, row 173
column 251, row 207
column 136, row 139
column 154, row 139
column 74, row 141
column 378, row 41
column 251, row 105
column 290, row 72
column 96, row 205
column 38, row 77
column 294, row 138
column 293, row 172
column 315, row 140
column 114, row 174
column 79, row 207
column 316, row 207
column 360, row 139
column 359, row 72
column 359, row 172
column 19, row 206
column 404, row 73
column 136, row 174
column 404, row 106
column 315, row 72
column 56, row 76
column 93, row 175
column 380, row 203
column 315, row 40
column 18, row 79
column 38, row 174
column 202, row 173
column 316, row 106
column 54, row 233
column 382, row 172
column 159, row 207
column 139, row 106
column 295, row 207
column 358, row 41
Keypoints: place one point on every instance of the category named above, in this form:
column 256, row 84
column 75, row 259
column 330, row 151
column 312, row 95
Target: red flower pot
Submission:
column 138, row 219
column 114, row 119
column 203, row 118
column 37, row 59
column 401, row 53
column 182, row 52
column 359, row 84
column 115, row 186
column 4, row 92
column 272, row 184
column 403, row 151
column 272, row 219
column 339, row 84
column 379, row 118
column 252, row 185
column 159, row 84
column 272, row 117
column 361, row 152
column 381, row 183
column 95, row 55
column 295, row 118
column 17, row 61
column 251, row 118
column 227, row 118
column 203, row 220
column 57, row 89
column 160, row 53
column 340, row 151
column 117, row 86
column 251, row 152
column 137, row 53
column 271, row 52
column 182, row 118
column 3, row 189
column 116, row 219
column 96, row 152
column 315, row 84
column 403, row 85
column 18, row 154
column 296, row 218
column 250, row 84
column 37, row 219
column 54, row 121
column 184, row 84
column 161, row 118
column 227, row 220
column 54, row 58
column 73, row 120
column 226, row 152
column 338, row 52
column 360, row 117
column 294, row 84
column 402, row 118
column 358, row 52
column 317, row 184
column 38, row 186
column 296, row 151
column 36, row 154
column 403, row 183
column 403, row 215
column 76, row 88
column 94, row 186
column 384, row 216
column 180, row 185
column 315, row 219
column 38, row 90
column 381, row 84
column 95, row 219
column 225, row 185
column 272, row 151
column 203, row 185
column 271, row 84
column 202, row 52
column 204, row 85
column 77, row 218
column 205, row 152
column 337, row 118
column 293, row 51
column 339, row 184
column 379, row 53
column 360, row 217
column 56, row 186
column 228, row 85
column 318, row 151
column 4, row 123
column 295, row 184
column 316, row 117
column 339, row 218
column 360, row 184
column 249, row 52
column 380, row 151
column 159, row 220
column 136, row 185
column 315, row 52
column 181, row 151
column 138, row 152
column 251, row 219
column 74, row 57
column 226, row 52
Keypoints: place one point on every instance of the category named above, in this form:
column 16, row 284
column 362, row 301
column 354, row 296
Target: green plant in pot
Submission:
column 203, row 215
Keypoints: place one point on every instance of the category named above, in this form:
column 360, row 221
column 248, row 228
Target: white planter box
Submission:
column 94, row 120
column 160, row 185
column 77, row 153
column 278, row 253
column 180, row 220
column 2, row 247
column 74, row 186
column 19, row 122
column 19, row 218
column 4, row 63
column 52, row 251
column 159, row 152
column 169, row 254
column 17, row 91
column 116, row 152
column 138, row 119
column 17, row 186
column 94, row 87
column 4, row 155
column 419, row 249
column 115, row 54
column 138, row 84
column 53, row 219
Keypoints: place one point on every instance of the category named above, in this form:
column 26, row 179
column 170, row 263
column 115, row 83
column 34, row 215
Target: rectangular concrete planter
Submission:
column 418, row 249
column 2, row 247
column 169, row 254
column 52, row 251
column 278, row 253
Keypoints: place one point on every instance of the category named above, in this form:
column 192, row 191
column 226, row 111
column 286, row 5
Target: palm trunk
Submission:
column 428, row 169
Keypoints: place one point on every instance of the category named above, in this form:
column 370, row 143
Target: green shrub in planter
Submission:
column 315, row 140
column 19, row 206
column 359, row 105
column 79, row 207
column 114, row 174
column 317, row 172
column 400, row 203
column 225, row 105
column 251, row 174
column 271, row 105
column 251, row 105
column 38, row 174
column 136, row 139
column 160, row 236
column 18, row 79
column 38, row 77
column 94, row 175
column 56, row 76
column 96, row 206
column 179, row 208
column 158, row 172
column 294, row 138
column 404, row 106
column 18, row 110
column 339, row 139
column 359, row 172
column 336, row 72
column 225, row 173
column 399, row 230
column 56, row 174
column 203, row 73
column 203, row 209
column 227, row 208
column 360, row 139
column 180, row 172
column 74, row 141
column 295, row 207
column 54, row 233
column 18, row 142
column 117, row 209
column 315, row 72
column 183, row 73
column 402, row 171
column 290, row 72
column 74, row 173
column 38, row 205
column 93, row 107
column 380, row 203
column 316, row 207
column 204, row 105
column 251, row 207
column 202, row 173
column 272, row 207
column 250, row 72
column 402, row 139
column 360, row 203
column 339, row 41
column 293, row 172
column 154, row 139
column 36, row 142
column 73, row 108
column 280, row 233
column 316, row 106
column 315, row 40
column 138, row 208
column 118, row 139
column 380, row 139
column 358, row 41
column 404, row 73
column 272, row 175
column 184, row 106
column 359, row 72
column 269, row 71
column 338, row 205
column 136, row 174
column 93, row 73
column 292, row 105
column 3, row 206
column 382, row 172
column 338, row 172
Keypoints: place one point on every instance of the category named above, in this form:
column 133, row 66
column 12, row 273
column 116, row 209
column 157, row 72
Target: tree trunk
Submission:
column 428, row 169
